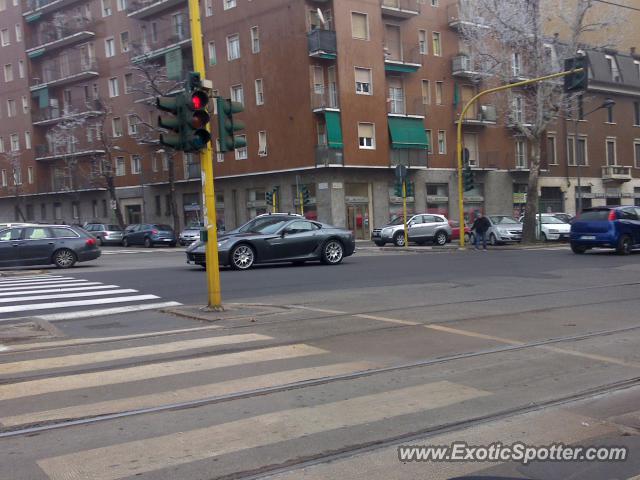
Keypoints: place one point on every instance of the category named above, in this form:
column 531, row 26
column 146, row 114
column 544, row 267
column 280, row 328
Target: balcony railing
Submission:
column 52, row 36
column 400, row 9
column 53, row 115
column 152, row 44
column 194, row 171
column 141, row 9
column 463, row 66
column 408, row 157
column 326, row 156
column 324, row 98
column 460, row 15
column 64, row 70
column 322, row 44
column 402, row 62
column 616, row 173
column 486, row 114
column 46, row 152
column 31, row 7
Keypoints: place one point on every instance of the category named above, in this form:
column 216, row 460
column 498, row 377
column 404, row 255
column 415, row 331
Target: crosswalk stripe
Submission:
column 67, row 295
column 75, row 303
column 26, row 277
column 190, row 394
column 141, row 456
column 56, row 317
column 122, row 353
column 73, row 283
column 154, row 370
column 38, row 281
column 58, row 290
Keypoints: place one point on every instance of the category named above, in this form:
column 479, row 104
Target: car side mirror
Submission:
column 284, row 232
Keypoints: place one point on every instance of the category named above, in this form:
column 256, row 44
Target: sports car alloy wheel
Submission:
column 242, row 257
column 64, row 258
column 333, row 252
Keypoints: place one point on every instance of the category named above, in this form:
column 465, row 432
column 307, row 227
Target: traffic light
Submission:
column 228, row 126
column 195, row 116
column 174, row 105
column 467, row 173
column 409, row 189
column 579, row 81
column 306, row 197
column 398, row 189
column 268, row 197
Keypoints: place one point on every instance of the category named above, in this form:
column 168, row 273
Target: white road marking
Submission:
column 39, row 282
column 58, row 290
column 148, row 455
column 122, row 353
column 68, row 295
column 26, row 277
column 74, row 283
column 153, row 370
column 75, row 303
column 56, row 317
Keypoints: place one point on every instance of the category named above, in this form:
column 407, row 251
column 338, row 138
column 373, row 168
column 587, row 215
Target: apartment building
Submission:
column 336, row 94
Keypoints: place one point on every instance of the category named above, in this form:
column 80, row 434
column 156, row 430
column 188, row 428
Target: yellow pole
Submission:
column 404, row 211
column 206, row 162
column 300, row 199
column 274, row 201
column 459, row 132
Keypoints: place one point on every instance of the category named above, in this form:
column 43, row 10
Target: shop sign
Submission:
column 474, row 198
column 437, row 199
column 519, row 198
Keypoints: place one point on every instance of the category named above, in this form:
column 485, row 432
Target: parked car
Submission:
column 455, row 231
column 60, row 245
column 190, row 234
column 278, row 238
column 565, row 217
column 606, row 227
column 552, row 228
column 503, row 229
column 105, row 233
column 421, row 228
column 149, row 234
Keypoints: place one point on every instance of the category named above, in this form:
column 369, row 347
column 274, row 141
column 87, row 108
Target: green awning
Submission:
column 43, row 97
column 408, row 133
column 334, row 130
column 401, row 67
column 36, row 53
column 33, row 17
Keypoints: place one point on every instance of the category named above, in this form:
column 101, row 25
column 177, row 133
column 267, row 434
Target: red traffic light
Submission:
column 199, row 100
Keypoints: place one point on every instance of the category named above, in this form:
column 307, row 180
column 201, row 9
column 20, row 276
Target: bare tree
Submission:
column 63, row 141
column 507, row 41
column 13, row 161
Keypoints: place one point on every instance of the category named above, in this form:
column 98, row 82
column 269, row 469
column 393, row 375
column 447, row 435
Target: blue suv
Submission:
column 606, row 227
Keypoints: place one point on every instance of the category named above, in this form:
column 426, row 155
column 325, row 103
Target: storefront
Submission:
column 396, row 208
column 357, row 204
column 438, row 198
column 473, row 203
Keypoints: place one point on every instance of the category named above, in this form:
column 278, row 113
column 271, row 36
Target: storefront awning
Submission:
column 334, row 129
column 408, row 133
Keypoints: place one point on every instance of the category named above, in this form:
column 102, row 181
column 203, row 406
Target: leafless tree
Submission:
column 13, row 161
column 508, row 40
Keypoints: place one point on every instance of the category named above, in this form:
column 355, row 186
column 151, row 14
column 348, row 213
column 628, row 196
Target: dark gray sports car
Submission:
column 278, row 238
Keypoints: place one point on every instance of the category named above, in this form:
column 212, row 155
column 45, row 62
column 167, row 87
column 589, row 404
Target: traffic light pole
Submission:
column 404, row 211
column 206, row 163
column 459, row 131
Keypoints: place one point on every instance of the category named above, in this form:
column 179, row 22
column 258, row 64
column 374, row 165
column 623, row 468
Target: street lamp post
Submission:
column 608, row 103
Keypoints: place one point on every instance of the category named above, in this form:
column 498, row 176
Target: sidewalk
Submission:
column 454, row 245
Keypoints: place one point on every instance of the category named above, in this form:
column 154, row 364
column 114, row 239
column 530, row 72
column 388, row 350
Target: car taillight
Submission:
column 612, row 215
column 155, row 232
column 90, row 242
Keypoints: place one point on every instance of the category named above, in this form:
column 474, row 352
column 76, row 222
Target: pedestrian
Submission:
column 480, row 226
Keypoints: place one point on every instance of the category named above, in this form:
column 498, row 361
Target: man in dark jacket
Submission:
column 480, row 227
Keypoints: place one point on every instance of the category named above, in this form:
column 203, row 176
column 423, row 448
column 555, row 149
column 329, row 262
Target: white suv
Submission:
column 422, row 228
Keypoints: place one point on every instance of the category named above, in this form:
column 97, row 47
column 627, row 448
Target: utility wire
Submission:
column 629, row 7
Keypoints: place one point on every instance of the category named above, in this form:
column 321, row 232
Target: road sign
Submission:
column 401, row 172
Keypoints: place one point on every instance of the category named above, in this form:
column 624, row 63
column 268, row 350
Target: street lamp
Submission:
column 608, row 103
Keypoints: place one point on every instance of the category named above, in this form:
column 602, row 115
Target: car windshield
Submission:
column 257, row 223
column 272, row 226
column 591, row 215
column 114, row 228
column 551, row 220
column 398, row 221
column 502, row 220
column 164, row 227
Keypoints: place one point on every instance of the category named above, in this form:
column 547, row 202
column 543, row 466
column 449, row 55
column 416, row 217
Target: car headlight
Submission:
column 223, row 242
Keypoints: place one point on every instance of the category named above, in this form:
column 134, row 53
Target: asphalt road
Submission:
column 333, row 370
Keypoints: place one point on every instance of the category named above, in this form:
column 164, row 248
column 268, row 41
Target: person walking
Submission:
column 480, row 227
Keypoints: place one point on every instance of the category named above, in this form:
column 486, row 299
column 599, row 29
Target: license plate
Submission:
column 166, row 239
column 588, row 237
column 375, row 234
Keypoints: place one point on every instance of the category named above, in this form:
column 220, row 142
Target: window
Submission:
column 439, row 88
column 437, row 46
column 580, row 101
column 154, row 32
column 30, row 175
column 1, row 145
column 241, row 153
column 359, row 26
column 208, row 8
column 128, row 83
column 422, row 42
column 636, row 114
column 582, row 153
column 636, row 64
column 259, row 92
column 15, row 142
column 4, row 37
column 613, row 68
column 17, row 176
column 237, row 94
column 3, row 5
column 3, row 176
column 435, row 3
column 18, row 33
column 521, row 154
column 106, row 8
column 227, row 4
column 233, row 47
column 611, row 151
column 426, row 92
column 177, row 24
column 113, row 87
column 552, row 154
column 8, row 73
column 366, row 136
column 262, row 143
column 636, row 152
column 124, row 42
column 363, row 81
column 518, row 109
column 121, row 5
column 21, row 68
column 442, row 142
column 25, row 104
column 516, row 64
column 11, row 108
column 120, row 167
column 255, row 40
column 213, row 57
column 116, row 125
column 132, row 124
column 429, row 141
column 610, row 114
column 109, row 47
column 136, row 164
column 27, row 140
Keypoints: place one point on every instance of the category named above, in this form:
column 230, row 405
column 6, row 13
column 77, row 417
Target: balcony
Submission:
column 53, row 37
column 64, row 70
column 486, row 115
column 45, row 153
column 402, row 63
column 327, row 156
column 194, row 171
column 461, row 15
column 322, row 44
column 616, row 173
column 142, row 9
column 324, row 98
column 52, row 115
column 408, row 157
column 462, row 66
column 34, row 9
column 165, row 40
column 400, row 9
